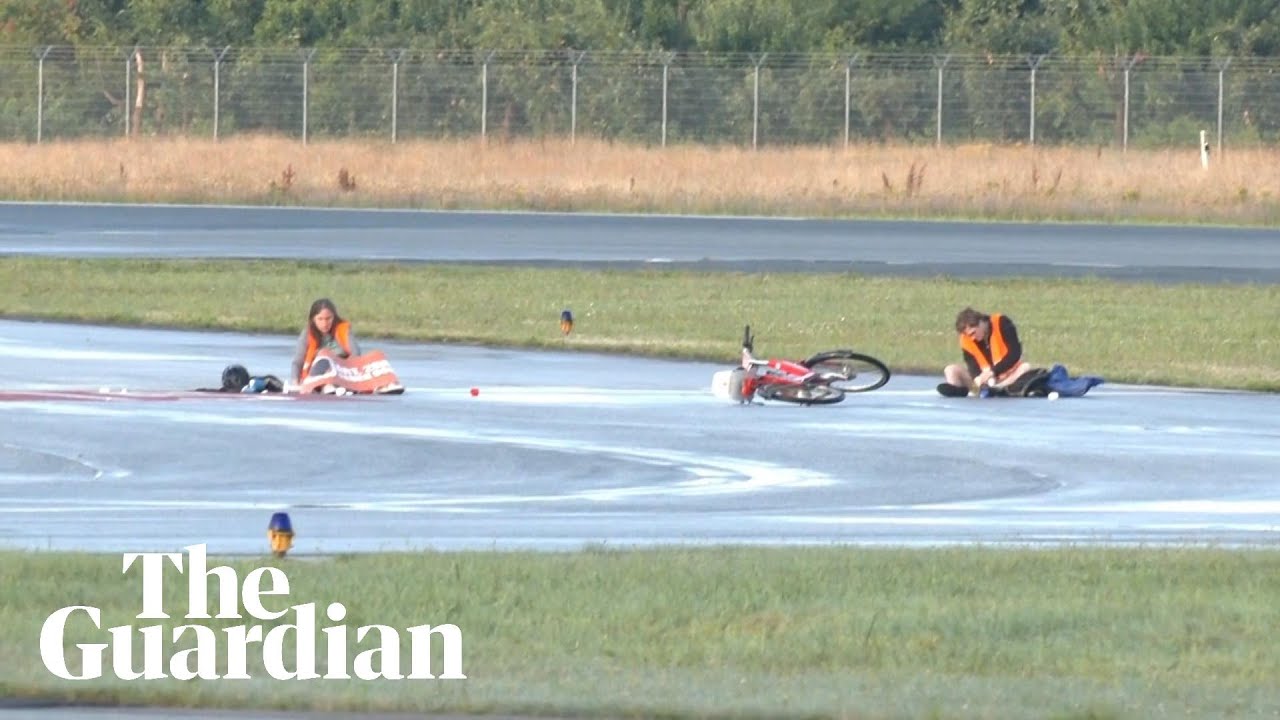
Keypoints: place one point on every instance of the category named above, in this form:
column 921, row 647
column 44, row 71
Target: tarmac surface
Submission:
column 1154, row 254
column 103, row 447
column 563, row 449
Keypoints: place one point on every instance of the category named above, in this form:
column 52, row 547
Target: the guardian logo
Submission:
column 231, row 647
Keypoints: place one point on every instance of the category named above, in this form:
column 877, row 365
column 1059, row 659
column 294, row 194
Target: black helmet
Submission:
column 235, row 377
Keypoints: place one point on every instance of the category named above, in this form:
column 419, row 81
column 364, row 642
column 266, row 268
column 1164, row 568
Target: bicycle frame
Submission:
column 772, row 371
column 822, row 379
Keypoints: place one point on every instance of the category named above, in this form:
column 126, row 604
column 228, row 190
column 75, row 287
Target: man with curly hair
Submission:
column 992, row 355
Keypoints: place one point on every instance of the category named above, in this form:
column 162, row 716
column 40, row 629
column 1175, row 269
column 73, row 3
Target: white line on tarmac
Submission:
column 711, row 475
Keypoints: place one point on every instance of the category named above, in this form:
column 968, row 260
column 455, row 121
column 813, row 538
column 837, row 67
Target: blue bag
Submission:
column 1061, row 382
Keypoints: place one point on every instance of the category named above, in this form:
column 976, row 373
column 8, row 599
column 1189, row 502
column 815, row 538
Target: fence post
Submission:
column 940, row 65
column 217, row 87
column 307, row 54
column 667, row 58
column 1221, row 64
column 755, row 99
column 41, row 54
column 575, row 57
column 848, row 90
column 396, row 56
column 484, row 96
column 1034, row 61
column 1128, row 68
column 128, row 88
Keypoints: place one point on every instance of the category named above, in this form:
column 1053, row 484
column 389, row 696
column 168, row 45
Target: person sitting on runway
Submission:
column 992, row 354
column 325, row 329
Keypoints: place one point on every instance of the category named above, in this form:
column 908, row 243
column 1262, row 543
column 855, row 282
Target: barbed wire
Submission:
column 570, row 56
column 63, row 91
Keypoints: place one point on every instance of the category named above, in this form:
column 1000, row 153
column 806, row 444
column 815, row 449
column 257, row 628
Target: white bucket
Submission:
column 727, row 385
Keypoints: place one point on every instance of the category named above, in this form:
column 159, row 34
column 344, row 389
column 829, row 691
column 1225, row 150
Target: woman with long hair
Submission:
column 325, row 329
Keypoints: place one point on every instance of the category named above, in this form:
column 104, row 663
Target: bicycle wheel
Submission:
column 808, row 394
column 849, row 371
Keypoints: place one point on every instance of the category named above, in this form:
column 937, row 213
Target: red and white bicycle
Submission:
column 822, row 379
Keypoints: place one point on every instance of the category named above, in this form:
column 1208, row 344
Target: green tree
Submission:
column 38, row 22
column 885, row 25
column 163, row 22
column 751, row 26
column 1237, row 27
column 98, row 22
column 545, row 25
column 232, row 22
column 655, row 24
column 1002, row 27
column 301, row 23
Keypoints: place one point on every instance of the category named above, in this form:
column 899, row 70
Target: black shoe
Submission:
column 949, row 390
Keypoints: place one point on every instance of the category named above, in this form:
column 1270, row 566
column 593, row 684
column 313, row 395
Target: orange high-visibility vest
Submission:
column 998, row 348
column 341, row 333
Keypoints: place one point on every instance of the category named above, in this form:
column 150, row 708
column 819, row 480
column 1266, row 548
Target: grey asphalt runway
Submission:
column 1155, row 254
column 559, row 450
column 562, row 449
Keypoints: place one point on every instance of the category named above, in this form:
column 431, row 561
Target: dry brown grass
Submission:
column 975, row 181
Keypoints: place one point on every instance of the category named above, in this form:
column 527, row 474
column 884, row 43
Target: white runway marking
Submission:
column 711, row 474
column 1208, row 506
column 46, row 353
column 561, row 395
column 1012, row 523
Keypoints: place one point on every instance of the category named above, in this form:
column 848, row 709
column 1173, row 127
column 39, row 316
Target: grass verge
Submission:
column 1211, row 336
column 722, row 632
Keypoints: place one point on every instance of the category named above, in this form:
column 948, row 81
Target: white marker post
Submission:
column 1204, row 150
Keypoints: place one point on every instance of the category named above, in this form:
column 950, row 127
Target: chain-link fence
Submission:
column 58, row 92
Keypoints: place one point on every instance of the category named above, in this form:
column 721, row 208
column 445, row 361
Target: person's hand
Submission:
column 983, row 378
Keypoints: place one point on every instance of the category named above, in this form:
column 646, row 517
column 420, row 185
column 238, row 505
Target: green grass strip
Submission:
column 1220, row 336
column 720, row 632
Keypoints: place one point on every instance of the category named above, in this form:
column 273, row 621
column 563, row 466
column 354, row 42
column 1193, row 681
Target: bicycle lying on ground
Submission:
column 822, row 379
